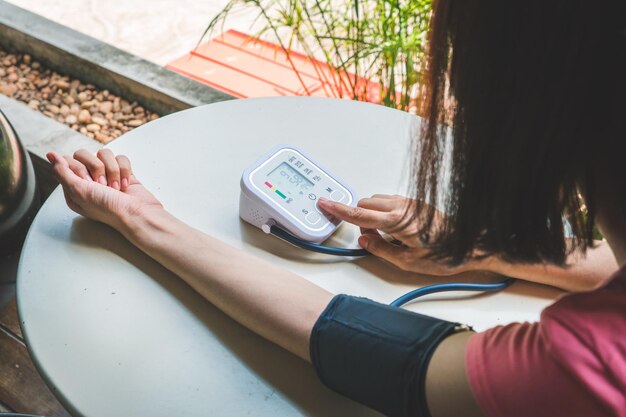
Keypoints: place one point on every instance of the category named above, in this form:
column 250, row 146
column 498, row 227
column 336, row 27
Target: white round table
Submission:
column 115, row 334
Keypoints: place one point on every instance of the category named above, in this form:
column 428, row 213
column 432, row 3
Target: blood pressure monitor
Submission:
column 283, row 186
column 279, row 194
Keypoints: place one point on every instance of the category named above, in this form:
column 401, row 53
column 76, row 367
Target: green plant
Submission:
column 370, row 49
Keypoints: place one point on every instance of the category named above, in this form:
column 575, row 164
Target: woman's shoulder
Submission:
column 601, row 311
column 572, row 362
column 596, row 319
column 584, row 333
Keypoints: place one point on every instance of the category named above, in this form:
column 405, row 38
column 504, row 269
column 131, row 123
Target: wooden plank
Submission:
column 21, row 388
column 244, row 67
column 270, row 52
column 4, row 408
column 251, row 64
column 225, row 78
column 262, row 51
column 9, row 319
column 332, row 84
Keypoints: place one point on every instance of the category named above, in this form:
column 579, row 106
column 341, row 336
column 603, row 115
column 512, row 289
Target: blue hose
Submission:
column 410, row 296
column 451, row 286
column 313, row 247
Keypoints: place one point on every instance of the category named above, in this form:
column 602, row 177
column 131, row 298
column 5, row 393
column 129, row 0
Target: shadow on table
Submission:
column 392, row 274
column 286, row 373
column 384, row 270
column 272, row 244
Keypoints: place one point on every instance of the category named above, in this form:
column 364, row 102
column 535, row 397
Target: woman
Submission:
column 533, row 92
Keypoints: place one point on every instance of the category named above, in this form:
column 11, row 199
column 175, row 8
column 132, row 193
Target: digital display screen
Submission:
column 289, row 181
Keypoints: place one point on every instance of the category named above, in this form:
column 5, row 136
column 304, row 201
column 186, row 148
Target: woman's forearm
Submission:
column 273, row 302
column 582, row 274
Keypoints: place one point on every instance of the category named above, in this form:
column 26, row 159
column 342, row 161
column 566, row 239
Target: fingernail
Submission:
column 102, row 180
column 116, row 185
column 364, row 241
column 124, row 183
column 51, row 157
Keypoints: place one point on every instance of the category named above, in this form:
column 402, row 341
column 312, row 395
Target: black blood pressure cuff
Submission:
column 376, row 354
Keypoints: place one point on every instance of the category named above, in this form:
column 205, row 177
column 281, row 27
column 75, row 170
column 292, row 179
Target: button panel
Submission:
column 313, row 218
column 337, row 195
column 294, row 183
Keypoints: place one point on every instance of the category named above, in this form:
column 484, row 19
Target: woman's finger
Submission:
column 378, row 246
column 62, row 170
column 366, row 231
column 359, row 216
column 78, row 168
column 111, row 167
column 379, row 204
column 94, row 165
column 125, row 170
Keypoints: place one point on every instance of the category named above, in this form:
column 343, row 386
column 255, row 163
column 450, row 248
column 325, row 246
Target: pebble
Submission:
column 105, row 107
column 83, row 107
column 99, row 120
column 84, row 116
column 62, row 84
column 8, row 89
column 87, row 104
column 134, row 123
column 101, row 137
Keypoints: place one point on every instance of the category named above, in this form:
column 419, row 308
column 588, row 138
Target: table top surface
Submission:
column 114, row 333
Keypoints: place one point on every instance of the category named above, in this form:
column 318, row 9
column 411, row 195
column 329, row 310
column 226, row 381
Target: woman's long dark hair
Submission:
column 530, row 91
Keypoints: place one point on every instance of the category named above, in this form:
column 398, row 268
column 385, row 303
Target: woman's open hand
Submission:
column 101, row 187
column 391, row 214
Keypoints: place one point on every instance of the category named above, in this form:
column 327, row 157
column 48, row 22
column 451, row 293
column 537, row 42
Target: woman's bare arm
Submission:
column 273, row 302
column 582, row 273
column 387, row 213
column 448, row 391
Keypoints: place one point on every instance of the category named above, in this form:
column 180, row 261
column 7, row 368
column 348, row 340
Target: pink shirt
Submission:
column 572, row 363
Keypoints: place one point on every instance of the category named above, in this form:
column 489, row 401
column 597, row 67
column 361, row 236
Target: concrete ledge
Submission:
column 90, row 60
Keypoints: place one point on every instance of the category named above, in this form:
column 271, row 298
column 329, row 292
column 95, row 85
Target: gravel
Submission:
column 83, row 107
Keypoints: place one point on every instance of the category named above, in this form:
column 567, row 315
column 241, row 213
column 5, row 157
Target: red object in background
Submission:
column 242, row 66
